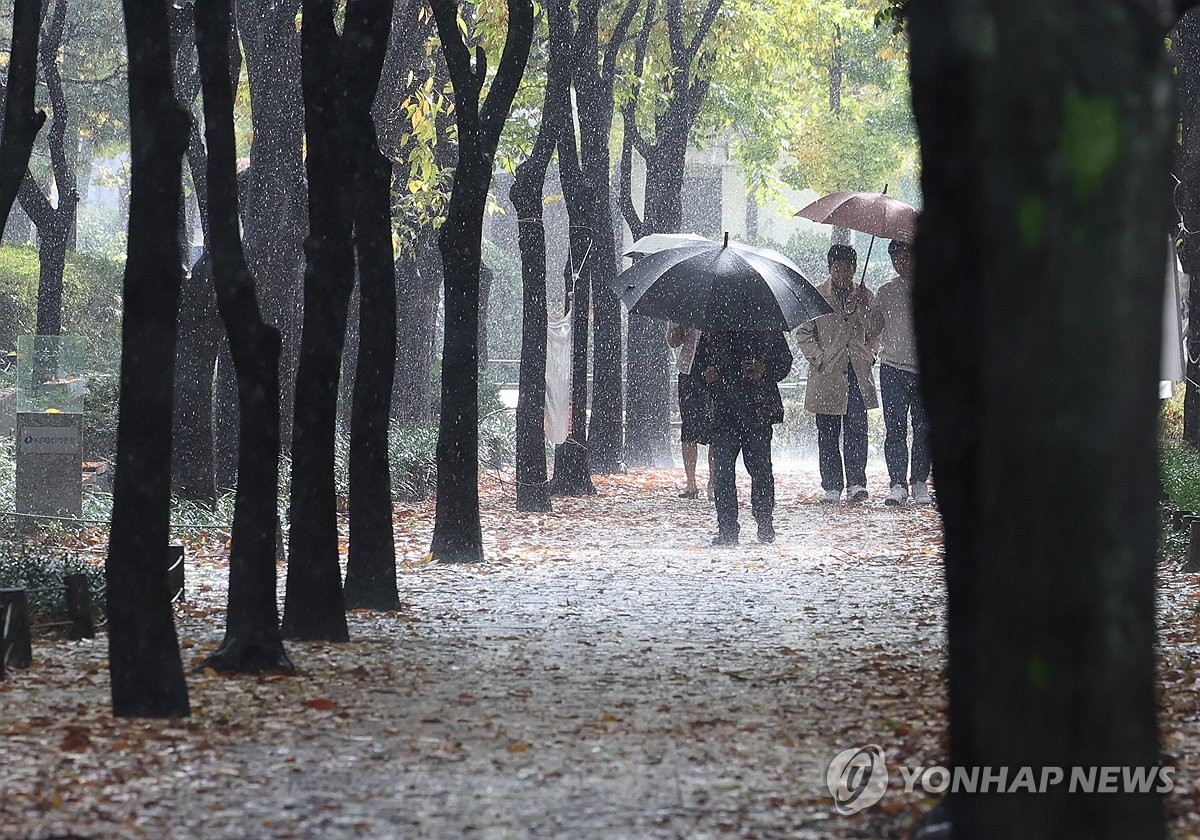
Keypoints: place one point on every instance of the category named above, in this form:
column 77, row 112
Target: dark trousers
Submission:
column 756, row 455
column 852, row 428
column 901, row 394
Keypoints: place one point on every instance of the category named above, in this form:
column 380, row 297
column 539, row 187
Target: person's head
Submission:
column 842, row 263
column 901, row 254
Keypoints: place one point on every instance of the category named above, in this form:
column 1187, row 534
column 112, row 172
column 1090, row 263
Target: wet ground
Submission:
column 605, row 674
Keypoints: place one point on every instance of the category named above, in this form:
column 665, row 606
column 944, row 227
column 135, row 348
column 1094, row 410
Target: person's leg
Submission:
column 689, row 464
column 689, row 429
column 829, row 452
column 920, row 424
column 724, row 456
column 711, row 492
column 855, row 432
column 757, row 457
column 894, row 389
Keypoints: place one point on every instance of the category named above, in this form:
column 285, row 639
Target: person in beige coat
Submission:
column 840, row 347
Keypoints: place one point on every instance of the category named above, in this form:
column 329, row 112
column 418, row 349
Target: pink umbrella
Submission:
column 870, row 212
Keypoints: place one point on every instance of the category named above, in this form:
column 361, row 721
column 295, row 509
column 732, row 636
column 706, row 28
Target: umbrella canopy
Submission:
column 656, row 242
column 720, row 287
column 869, row 212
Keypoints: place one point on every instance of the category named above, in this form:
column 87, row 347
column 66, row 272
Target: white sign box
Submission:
column 47, row 440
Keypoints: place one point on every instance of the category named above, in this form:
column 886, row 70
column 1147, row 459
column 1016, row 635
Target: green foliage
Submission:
column 412, row 454
column 41, row 575
column 504, row 302
column 1179, row 465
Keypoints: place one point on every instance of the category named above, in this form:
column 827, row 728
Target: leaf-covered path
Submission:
column 605, row 674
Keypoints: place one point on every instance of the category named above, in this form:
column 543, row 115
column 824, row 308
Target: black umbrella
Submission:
column 715, row 286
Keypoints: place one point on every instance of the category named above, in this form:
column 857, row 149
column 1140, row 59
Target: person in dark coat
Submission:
column 741, row 372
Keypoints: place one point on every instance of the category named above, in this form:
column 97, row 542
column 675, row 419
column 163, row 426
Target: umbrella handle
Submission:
column 867, row 261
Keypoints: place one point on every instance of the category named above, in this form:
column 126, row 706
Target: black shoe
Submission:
column 766, row 532
column 690, row 494
column 725, row 539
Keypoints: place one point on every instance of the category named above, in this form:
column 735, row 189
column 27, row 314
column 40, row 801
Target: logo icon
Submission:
column 857, row 778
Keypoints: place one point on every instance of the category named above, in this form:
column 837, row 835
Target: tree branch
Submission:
column 21, row 121
column 512, row 69
column 618, row 39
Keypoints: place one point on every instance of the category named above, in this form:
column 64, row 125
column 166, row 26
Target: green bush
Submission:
column 1180, row 467
column 42, row 578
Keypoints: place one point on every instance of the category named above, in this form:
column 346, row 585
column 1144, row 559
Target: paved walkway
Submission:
column 606, row 674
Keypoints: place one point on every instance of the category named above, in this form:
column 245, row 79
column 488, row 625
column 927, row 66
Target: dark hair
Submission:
column 898, row 245
column 842, row 252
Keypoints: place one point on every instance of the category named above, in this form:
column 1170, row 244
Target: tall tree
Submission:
column 572, row 473
column 314, row 607
column 274, row 206
column 594, row 78
column 526, row 195
column 21, row 121
column 143, row 650
column 664, row 151
column 1045, row 135
column 1185, row 48
column 456, row 531
column 54, row 221
column 371, row 566
column 253, row 642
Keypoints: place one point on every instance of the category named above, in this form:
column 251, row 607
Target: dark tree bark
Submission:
column 1045, row 139
column 144, row 663
column 371, row 566
column 314, row 607
column 572, row 473
column 54, row 222
column 275, row 202
column 647, row 412
column 21, row 121
column 193, row 470
column 533, row 492
column 253, row 642
column 199, row 339
column 594, row 78
column 1185, row 48
column 418, row 291
column 456, row 532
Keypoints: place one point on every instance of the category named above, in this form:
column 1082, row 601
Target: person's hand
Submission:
column 711, row 375
column 753, row 369
column 860, row 296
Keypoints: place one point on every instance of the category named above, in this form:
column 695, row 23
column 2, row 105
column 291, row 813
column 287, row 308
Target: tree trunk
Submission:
column 313, row 605
column 21, row 121
column 144, row 664
column 572, row 473
column 418, row 291
column 371, row 566
column 1185, row 48
column 275, row 212
column 457, row 537
column 1045, row 135
column 253, row 642
column 192, row 466
column 533, row 491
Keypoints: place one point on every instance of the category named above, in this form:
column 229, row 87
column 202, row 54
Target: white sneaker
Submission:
column 920, row 493
column 831, row 497
column 897, row 495
column 856, row 493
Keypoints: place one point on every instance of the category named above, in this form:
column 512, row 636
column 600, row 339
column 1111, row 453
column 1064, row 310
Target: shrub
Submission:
column 42, row 578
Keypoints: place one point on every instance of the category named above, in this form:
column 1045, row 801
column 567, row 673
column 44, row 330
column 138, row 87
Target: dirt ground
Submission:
column 606, row 674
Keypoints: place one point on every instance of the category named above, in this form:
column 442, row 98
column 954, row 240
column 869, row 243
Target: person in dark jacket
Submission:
column 741, row 372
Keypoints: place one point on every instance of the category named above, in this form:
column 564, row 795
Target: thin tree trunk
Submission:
column 371, row 566
column 526, row 196
column 1045, row 131
column 21, row 121
column 192, row 465
column 253, row 642
column 313, row 606
column 144, row 663
column 457, row 536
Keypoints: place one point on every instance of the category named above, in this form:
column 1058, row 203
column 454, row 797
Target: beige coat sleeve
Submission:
column 810, row 345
